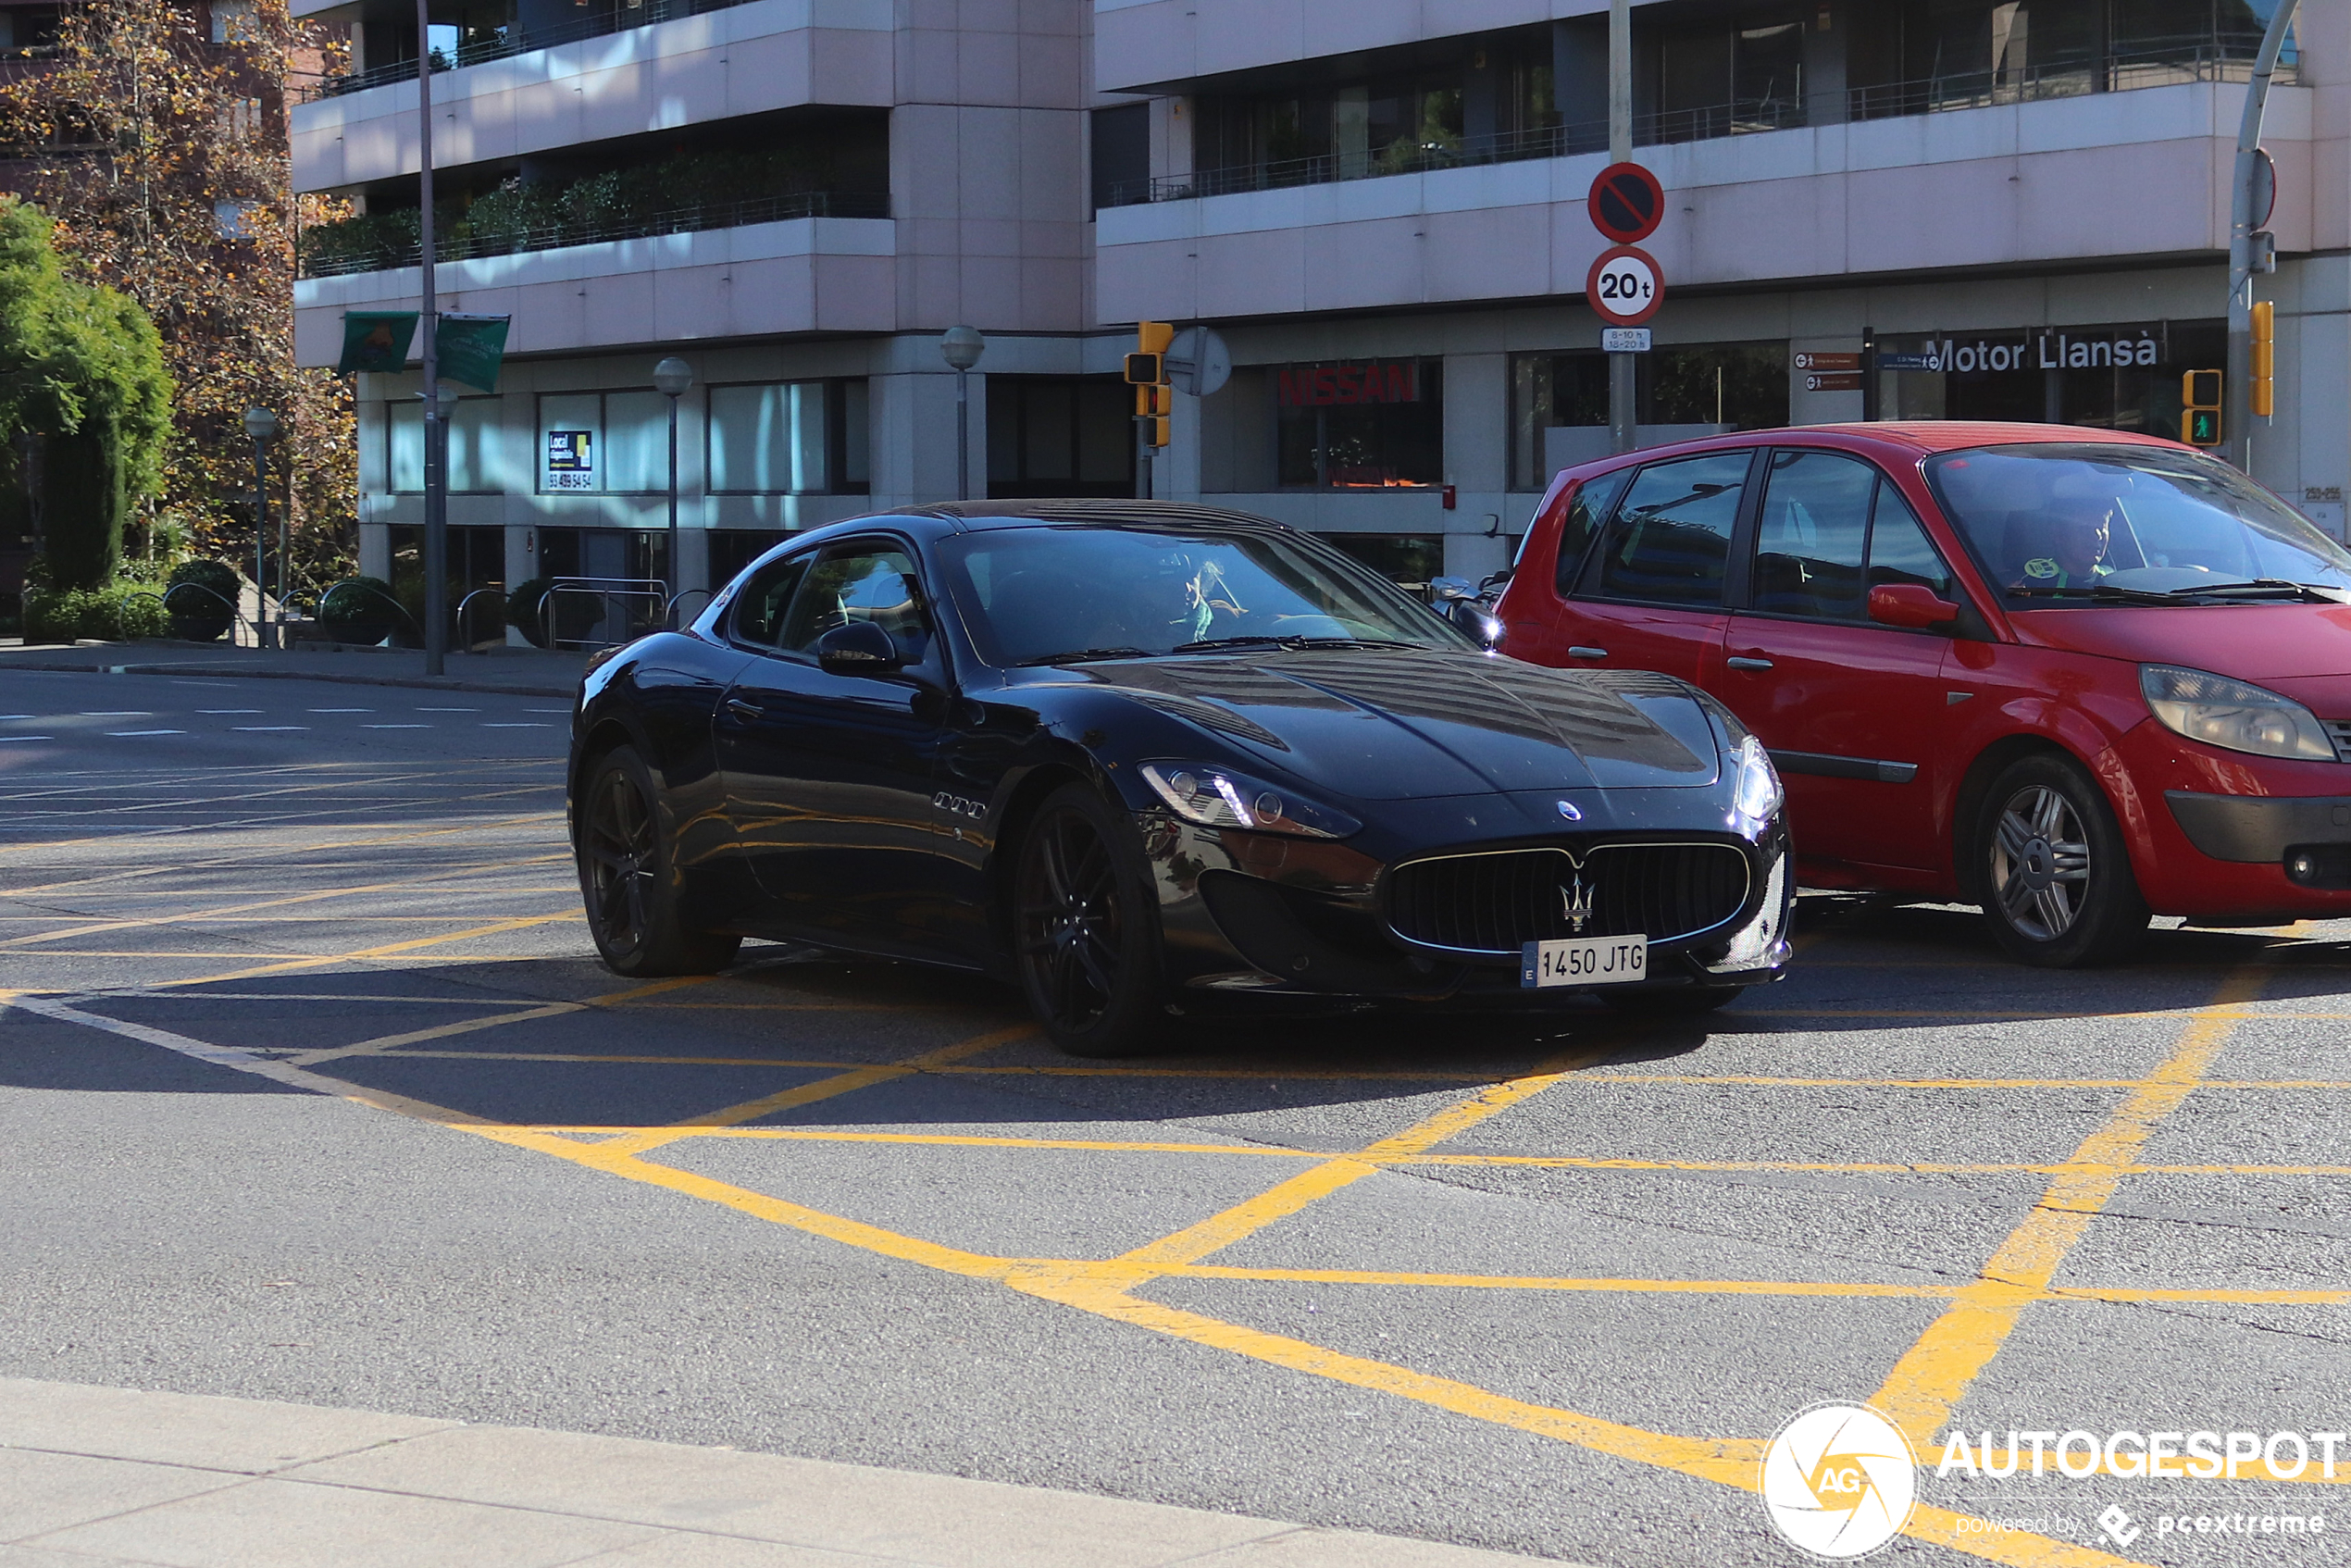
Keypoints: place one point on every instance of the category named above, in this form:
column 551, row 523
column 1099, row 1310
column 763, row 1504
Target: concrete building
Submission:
column 2013, row 210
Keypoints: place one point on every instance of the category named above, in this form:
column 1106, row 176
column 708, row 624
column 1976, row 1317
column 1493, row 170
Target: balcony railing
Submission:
column 512, row 39
column 330, row 260
column 2161, row 65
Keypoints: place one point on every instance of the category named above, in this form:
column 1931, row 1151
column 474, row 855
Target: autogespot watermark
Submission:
column 1839, row 1481
column 2154, row 1456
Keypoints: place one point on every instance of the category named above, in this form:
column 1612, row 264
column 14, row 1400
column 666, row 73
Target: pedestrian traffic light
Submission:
column 2262, row 395
column 1147, row 373
column 2200, row 420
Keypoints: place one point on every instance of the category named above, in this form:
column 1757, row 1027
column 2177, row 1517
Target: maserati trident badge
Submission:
column 1567, row 809
column 1577, row 900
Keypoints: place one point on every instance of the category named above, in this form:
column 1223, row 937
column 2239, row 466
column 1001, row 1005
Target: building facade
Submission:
column 1890, row 209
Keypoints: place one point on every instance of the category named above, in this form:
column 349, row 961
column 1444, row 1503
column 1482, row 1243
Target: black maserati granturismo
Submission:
column 1148, row 761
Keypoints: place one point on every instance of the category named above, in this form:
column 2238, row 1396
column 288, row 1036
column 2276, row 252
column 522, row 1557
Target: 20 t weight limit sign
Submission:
column 1625, row 286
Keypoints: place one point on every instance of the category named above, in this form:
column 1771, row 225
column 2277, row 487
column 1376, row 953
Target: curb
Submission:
column 422, row 682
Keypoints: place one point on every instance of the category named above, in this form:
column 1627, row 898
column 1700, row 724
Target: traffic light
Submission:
column 2262, row 396
column 2200, row 421
column 1147, row 373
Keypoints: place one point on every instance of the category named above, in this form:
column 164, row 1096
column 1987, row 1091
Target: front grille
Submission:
column 2339, row 731
column 1499, row 901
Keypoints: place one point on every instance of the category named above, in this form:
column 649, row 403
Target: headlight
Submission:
column 1760, row 796
column 1217, row 797
column 2230, row 713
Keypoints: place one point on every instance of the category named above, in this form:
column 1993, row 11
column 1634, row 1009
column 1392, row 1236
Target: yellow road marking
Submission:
column 1931, row 1376
column 1219, row 1231
column 552, row 1010
column 638, row 1143
column 389, row 949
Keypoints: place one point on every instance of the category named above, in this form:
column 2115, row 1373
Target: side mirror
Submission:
column 1475, row 619
column 857, row 648
column 1911, row 606
column 1443, row 590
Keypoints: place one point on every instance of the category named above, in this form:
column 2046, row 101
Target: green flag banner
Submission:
column 377, row 340
column 470, row 348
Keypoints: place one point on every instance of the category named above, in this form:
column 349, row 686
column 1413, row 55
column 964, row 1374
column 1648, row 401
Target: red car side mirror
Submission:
column 1909, row 606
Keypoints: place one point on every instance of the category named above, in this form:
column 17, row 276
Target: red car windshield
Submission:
column 2074, row 524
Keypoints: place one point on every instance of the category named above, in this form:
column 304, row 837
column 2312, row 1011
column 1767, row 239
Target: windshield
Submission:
column 2060, row 524
column 1046, row 596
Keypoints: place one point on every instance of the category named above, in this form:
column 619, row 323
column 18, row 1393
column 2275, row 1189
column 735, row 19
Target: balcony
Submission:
column 2193, row 61
column 481, row 45
column 2021, row 182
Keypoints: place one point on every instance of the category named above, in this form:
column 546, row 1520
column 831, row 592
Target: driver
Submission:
column 2074, row 547
column 1196, row 590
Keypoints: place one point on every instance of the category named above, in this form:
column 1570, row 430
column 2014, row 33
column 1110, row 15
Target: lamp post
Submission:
column 961, row 346
column 671, row 378
column 261, row 425
column 428, row 322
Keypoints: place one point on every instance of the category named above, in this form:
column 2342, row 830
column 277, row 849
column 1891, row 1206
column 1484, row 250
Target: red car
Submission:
column 2077, row 677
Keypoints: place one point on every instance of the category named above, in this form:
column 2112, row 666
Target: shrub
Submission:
column 202, row 599
column 113, row 613
column 359, row 609
column 523, row 611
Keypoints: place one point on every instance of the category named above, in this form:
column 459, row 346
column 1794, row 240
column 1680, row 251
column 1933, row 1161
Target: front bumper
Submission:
column 1248, row 914
column 2307, row 838
column 2223, row 838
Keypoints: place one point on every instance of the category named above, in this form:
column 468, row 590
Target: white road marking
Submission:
column 395, row 727
column 266, row 728
column 19, row 716
column 7, row 738
column 223, row 712
column 339, row 710
column 449, row 710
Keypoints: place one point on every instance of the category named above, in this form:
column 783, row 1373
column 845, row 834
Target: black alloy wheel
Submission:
column 629, row 881
column 2057, row 883
column 1085, row 931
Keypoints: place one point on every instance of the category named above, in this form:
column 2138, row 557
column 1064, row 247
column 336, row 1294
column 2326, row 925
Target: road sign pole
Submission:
column 1623, row 386
column 2242, row 222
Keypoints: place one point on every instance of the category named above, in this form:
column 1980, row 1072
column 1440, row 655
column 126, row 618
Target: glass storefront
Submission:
column 1360, row 425
column 1718, row 386
column 2122, row 378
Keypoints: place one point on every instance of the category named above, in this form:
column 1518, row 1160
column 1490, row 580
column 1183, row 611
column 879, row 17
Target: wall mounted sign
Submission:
column 2069, row 348
column 571, row 460
column 1834, row 362
column 1320, row 386
column 1834, row 381
column 1625, row 286
column 1626, row 203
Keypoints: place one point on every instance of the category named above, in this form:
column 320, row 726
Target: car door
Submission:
column 829, row 777
column 1850, row 710
column 1650, row 596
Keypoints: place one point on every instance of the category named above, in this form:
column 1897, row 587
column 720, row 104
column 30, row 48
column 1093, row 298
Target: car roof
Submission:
column 975, row 515
column 1892, row 442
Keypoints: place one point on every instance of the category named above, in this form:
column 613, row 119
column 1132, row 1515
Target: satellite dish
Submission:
column 1198, row 362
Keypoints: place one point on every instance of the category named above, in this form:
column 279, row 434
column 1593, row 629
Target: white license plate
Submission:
column 1585, row 960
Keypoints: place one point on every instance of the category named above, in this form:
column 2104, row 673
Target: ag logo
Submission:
column 1839, row 1481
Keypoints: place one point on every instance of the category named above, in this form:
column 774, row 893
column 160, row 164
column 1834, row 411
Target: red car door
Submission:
column 1851, row 710
column 1651, row 594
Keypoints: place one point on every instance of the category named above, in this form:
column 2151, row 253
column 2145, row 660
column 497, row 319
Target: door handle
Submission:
column 1587, row 652
column 744, row 710
column 1743, row 661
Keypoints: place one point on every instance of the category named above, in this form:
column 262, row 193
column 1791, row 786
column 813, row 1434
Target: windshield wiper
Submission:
column 1080, row 655
column 2266, row 586
column 2097, row 591
column 1221, row 645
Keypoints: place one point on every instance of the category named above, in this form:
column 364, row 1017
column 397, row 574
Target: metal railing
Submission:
column 513, row 39
column 626, row 608
column 2155, row 64
column 460, row 245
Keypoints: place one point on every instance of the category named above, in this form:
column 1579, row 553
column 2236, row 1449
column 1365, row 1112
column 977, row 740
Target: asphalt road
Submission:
column 1546, row 1289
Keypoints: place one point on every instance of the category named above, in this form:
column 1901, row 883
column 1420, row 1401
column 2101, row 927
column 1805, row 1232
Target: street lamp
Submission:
column 671, row 378
column 261, row 425
column 962, row 347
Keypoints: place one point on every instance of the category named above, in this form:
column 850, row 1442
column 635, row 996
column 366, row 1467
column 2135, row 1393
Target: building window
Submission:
column 1060, row 435
column 233, row 22
column 1360, row 424
column 790, row 438
column 1121, row 156
column 476, row 464
column 1559, row 402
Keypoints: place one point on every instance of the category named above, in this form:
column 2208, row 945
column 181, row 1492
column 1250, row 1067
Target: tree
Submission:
column 82, row 370
column 164, row 157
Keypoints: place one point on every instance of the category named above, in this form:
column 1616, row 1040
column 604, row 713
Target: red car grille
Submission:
column 1499, row 901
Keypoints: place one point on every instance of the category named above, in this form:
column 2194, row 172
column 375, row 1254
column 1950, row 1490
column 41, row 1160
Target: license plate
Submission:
column 1585, row 960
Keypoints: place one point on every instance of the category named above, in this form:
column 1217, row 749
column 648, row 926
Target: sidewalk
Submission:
column 520, row 672
column 91, row 1477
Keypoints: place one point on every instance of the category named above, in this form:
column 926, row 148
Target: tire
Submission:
column 629, row 881
column 2054, row 878
column 1086, row 927
column 1673, row 1004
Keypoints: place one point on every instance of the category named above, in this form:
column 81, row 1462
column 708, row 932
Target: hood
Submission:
column 1402, row 723
column 2263, row 643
